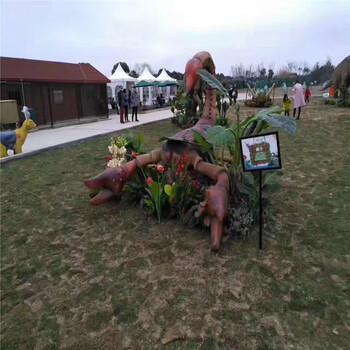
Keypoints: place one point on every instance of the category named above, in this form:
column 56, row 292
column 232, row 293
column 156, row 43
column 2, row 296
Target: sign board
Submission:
column 261, row 152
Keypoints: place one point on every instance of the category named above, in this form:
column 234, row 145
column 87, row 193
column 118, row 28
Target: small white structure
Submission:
column 119, row 79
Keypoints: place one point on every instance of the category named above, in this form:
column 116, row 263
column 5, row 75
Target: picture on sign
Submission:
column 261, row 152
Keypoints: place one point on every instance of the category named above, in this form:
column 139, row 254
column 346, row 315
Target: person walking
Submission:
column 287, row 102
column 121, row 104
column 126, row 106
column 134, row 101
column 298, row 98
column 307, row 95
column 235, row 93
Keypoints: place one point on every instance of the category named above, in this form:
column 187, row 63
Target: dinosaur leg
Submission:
column 217, row 196
column 112, row 180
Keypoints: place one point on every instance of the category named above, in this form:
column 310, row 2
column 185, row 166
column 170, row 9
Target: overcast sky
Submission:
column 166, row 34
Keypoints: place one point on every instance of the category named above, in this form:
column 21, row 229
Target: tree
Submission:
column 124, row 66
column 139, row 68
column 270, row 74
column 262, row 72
column 133, row 74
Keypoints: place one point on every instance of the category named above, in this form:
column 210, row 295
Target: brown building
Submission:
column 56, row 91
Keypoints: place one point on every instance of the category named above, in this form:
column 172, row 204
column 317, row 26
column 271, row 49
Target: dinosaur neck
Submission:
column 23, row 131
column 210, row 111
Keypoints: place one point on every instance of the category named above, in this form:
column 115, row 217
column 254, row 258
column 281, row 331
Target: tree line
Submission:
column 254, row 74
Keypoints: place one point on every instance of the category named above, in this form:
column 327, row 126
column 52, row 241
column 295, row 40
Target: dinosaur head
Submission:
column 29, row 124
column 192, row 78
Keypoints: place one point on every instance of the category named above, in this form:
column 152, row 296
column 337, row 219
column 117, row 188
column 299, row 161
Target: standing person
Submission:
column 121, row 104
column 287, row 102
column 307, row 95
column 298, row 98
column 134, row 101
column 235, row 93
column 126, row 106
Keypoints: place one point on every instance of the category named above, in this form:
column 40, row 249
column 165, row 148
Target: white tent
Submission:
column 164, row 76
column 147, row 93
column 146, row 75
column 119, row 78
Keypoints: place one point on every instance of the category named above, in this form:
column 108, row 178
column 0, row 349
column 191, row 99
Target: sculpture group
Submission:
column 112, row 180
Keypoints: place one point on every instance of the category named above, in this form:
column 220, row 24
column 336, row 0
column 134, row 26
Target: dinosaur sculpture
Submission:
column 340, row 77
column 14, row 140
column 112, row 180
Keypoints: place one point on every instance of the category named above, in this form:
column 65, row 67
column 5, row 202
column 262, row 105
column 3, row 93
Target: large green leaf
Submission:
column 272, row 110
column 220, row 136
column 212, row 81
column 201, row 140
column 287, row 124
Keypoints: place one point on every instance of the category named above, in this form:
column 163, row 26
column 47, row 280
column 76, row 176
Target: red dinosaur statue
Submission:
column 112, row 180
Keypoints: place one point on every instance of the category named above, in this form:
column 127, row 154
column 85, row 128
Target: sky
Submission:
column 167, row 33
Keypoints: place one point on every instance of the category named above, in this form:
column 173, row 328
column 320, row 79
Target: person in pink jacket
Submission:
column 298, row 98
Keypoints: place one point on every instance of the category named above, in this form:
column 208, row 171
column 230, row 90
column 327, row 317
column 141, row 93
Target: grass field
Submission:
column 80, row 277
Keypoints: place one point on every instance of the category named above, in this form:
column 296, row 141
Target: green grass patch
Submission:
column 79, row 277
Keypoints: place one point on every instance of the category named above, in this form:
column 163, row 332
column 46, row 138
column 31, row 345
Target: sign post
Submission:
column 260, row 152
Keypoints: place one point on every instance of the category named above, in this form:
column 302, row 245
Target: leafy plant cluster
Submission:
column 259, row 101
column 182, row 111
column 174, row 192
column 225, row 141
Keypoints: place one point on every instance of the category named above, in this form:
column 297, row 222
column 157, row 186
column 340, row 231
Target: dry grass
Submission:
column 81, row 277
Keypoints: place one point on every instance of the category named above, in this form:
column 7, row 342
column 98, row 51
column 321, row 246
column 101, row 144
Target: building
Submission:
column 56, row 91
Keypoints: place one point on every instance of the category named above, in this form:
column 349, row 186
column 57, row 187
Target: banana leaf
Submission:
column 213, row 82
column 220, row 136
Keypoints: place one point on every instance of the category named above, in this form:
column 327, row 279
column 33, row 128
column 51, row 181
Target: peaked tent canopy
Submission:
column 120, row 75
column 164, row 76
column 146, row 75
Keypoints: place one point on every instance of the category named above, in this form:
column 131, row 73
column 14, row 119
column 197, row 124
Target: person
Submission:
column 134, row 101
column 121, row 104
column 235, row 93
column 126, row 106
column 162, row 100
column 298, row 98
column 287, row 102
column 114, row 105
column 307, row 94
column 158, row 100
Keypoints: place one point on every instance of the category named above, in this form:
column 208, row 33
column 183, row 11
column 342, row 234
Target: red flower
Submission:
column 108, row 158
column 160, row 168
column 134, row 154
column 184, row 211
column 207, row 221
column 196, row 183
column 149, row 181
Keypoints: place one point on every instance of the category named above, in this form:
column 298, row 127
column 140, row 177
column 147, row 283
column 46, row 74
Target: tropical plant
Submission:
column 185, row 193
column 181, row 109
column 156, row 192
column 134, row 145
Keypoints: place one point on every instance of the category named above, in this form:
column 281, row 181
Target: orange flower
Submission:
column 160, row 168
column 149, row 181
column 134, row 154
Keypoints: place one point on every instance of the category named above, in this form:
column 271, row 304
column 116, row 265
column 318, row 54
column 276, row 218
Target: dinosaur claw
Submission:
column 103, row 197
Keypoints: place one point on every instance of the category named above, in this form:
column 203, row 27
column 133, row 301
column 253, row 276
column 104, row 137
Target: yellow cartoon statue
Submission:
column 14, row 140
